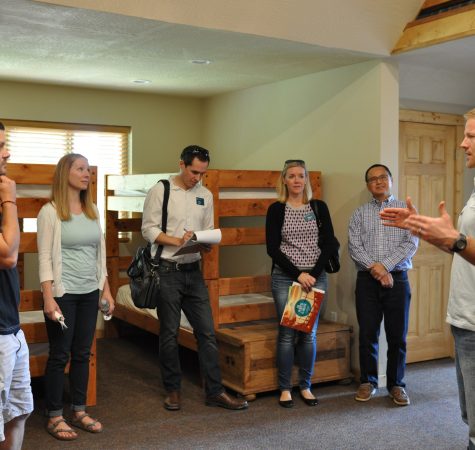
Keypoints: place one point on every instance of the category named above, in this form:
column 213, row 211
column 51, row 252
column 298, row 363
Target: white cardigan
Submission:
column 49, row 250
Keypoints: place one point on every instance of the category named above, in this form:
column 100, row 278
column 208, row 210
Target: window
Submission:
column 45, row 143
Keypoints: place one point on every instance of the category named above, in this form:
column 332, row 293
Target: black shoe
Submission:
column 286, row 403
column 310, row 401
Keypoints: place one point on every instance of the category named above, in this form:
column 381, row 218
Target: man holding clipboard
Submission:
column 190, row 208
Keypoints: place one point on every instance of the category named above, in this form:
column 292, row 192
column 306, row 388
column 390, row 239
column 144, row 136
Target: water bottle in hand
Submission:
column 105, row 309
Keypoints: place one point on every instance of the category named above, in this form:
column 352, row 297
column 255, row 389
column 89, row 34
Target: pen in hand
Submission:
column 188, row 235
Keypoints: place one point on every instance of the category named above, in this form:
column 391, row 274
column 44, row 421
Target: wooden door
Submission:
column 427, row 174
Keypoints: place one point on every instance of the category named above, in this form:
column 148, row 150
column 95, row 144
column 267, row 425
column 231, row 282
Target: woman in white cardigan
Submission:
column 72, row 266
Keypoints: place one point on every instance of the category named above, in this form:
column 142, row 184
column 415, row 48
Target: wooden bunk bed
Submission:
column 243, row 309
column 33, row 190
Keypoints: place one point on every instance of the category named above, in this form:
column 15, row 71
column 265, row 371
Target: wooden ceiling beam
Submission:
column 433, row 30
column 431, row 3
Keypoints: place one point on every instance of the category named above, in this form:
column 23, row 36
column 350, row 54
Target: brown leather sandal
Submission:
column 52, row 429
column 78, row 422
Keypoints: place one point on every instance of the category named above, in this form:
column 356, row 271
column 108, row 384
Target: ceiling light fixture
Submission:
column 141, row 81
column 200, row 61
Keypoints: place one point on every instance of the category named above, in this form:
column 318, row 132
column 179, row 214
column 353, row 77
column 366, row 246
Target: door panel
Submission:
column 427, row 154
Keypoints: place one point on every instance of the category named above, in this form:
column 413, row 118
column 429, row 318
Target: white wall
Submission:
column 161, row 125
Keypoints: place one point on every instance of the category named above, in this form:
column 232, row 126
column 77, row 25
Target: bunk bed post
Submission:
column 210, row 262
column 112, row 244
column 112, row 252
column 210, row 266
column 92, row 380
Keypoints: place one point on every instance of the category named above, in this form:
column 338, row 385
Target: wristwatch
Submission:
column 460, row 243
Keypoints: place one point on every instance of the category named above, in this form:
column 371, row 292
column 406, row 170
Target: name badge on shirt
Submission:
column 309, row 217
column 200, row 201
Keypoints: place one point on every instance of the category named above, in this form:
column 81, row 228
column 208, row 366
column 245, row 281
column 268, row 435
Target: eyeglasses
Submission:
column 297, row 161
column 382, row 178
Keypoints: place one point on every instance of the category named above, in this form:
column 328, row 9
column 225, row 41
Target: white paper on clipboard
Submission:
column 200, row 237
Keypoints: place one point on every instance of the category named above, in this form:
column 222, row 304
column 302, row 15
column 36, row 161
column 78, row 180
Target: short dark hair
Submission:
column 2, row 127
column 194, row 151
column 377, row 165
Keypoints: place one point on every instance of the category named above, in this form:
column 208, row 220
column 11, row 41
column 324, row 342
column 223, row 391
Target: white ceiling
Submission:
column 371, row 26
column 250, row 42
column 439, row 78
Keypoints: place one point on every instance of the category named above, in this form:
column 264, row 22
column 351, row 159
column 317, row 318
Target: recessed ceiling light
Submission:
column 141, row 81
column 200, row 61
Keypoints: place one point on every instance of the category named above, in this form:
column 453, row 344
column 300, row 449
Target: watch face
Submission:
column 460, row 244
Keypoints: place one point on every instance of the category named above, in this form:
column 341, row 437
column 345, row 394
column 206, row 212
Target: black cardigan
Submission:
column 327, row 241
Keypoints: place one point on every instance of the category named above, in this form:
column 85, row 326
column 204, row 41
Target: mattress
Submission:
column 32, row 317
column 124, row 298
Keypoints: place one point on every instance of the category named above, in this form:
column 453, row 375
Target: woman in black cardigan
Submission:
column 299, row 244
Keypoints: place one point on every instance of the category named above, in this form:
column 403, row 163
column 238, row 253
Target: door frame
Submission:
column 457, row 121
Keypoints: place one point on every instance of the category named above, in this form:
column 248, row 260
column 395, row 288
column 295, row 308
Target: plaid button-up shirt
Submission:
column 369, row 241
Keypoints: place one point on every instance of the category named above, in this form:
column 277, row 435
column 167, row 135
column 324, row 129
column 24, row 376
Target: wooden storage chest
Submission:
column 248, row 355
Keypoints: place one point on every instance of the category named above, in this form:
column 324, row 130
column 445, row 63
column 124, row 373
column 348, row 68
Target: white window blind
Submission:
column 45, row 143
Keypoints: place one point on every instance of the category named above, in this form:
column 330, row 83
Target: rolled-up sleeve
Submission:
column 152, row 213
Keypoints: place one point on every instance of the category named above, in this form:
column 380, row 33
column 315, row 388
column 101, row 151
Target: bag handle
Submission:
column 166, row 196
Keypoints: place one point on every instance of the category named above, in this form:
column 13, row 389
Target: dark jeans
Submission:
column 80, row 316
column 186, row 291
column 373, row 302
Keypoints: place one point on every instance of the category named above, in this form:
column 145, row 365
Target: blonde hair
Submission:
column 470, row 114
column 283, row 192
column 59, row 196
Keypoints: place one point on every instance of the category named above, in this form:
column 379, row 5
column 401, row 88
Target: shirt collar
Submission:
column 384, row 202
column 175, row 186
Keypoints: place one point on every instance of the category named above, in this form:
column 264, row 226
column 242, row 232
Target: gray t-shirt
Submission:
column 80, row 238
column 461, row 306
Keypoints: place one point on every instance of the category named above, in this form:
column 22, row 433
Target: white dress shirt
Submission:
column 188, row 210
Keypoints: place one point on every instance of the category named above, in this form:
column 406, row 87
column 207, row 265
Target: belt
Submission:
column 394, row 272
column 179, row 267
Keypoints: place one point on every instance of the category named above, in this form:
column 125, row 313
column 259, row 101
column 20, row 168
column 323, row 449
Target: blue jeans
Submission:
column 372, row 303
column 465, row 368
column 80, row 316
column 291, row 341
column 186, row 291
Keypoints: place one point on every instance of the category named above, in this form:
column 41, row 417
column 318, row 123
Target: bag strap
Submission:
column 314, row 206
column 166, row 196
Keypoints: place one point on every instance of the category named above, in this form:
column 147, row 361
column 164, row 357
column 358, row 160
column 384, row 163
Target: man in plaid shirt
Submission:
column 382, row 256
